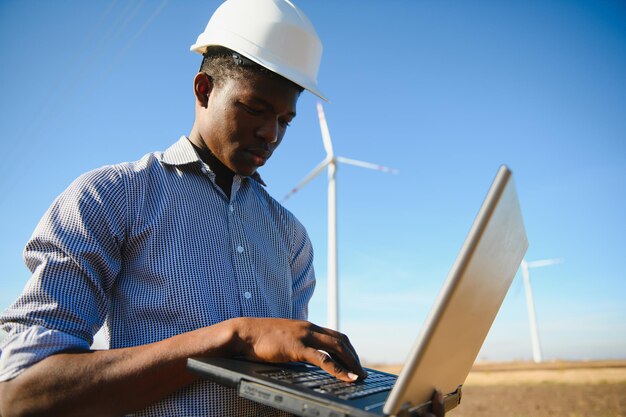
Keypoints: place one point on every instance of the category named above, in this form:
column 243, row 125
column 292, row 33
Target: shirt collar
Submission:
column 183, row 153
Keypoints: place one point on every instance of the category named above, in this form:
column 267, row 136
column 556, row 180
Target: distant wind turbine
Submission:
column 331, row 162
column 532, row 319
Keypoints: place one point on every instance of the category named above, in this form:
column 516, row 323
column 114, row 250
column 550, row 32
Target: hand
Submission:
column 283, row 340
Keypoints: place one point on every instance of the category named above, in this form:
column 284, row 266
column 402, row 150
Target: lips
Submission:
column 259, row 156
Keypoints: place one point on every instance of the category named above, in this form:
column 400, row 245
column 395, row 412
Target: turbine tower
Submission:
column 532, row 319
column 331, row 162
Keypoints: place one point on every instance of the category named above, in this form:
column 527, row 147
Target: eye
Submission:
column 252, row 110
column 284, row 123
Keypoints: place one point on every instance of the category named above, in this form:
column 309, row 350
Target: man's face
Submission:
column 245, row 120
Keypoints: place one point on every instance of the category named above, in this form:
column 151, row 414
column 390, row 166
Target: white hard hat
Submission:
column 273, row 33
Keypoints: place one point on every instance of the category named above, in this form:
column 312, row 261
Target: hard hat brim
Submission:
column 201, row 46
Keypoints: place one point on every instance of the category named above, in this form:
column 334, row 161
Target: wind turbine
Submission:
column 532, row 319
column 331, row 162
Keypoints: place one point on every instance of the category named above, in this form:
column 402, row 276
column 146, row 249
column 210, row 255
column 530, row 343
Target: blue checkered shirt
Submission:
column 151, row 249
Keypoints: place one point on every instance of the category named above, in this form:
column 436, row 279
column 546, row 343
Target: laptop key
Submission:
column 320, row 381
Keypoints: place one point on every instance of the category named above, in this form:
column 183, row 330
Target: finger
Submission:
column 338, row 335
column 437, row 406
column 324, row 361
column 340, row 339
column 337, row 359
column 360, row 371
column 339, row 351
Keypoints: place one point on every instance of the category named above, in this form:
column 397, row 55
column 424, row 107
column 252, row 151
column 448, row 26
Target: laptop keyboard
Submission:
column 320, row 381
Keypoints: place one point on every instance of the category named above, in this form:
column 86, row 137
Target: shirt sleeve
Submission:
column 302, row 272
column 74, row 256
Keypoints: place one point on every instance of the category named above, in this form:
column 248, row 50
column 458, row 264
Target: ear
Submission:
column 202, row 87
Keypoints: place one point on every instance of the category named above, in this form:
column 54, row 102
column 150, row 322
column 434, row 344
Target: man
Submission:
column 179, row 254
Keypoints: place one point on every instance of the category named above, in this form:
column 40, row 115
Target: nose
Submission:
column 269, row 131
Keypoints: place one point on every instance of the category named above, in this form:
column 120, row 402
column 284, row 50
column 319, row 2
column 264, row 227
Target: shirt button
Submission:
column 240, row 249
column 232, row 208
column 247, row 295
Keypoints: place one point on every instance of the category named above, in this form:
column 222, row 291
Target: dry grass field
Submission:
column 563, row 389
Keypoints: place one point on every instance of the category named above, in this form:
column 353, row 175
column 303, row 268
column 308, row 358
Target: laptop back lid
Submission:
column 468, row 302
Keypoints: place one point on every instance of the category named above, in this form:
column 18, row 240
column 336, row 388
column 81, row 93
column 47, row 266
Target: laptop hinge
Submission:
column 450, row 401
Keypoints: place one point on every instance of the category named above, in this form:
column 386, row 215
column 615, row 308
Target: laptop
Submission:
column 444, row 351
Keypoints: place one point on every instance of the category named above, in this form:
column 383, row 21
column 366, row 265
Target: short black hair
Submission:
column 221, row 63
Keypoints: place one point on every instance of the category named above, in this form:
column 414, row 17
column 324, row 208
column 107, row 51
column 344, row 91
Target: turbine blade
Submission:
column 328, row 145
column 315, row 172
column 367, row 165
column 544, row 262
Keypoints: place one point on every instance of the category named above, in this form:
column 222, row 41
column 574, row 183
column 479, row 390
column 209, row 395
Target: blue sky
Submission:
column 443, row 91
